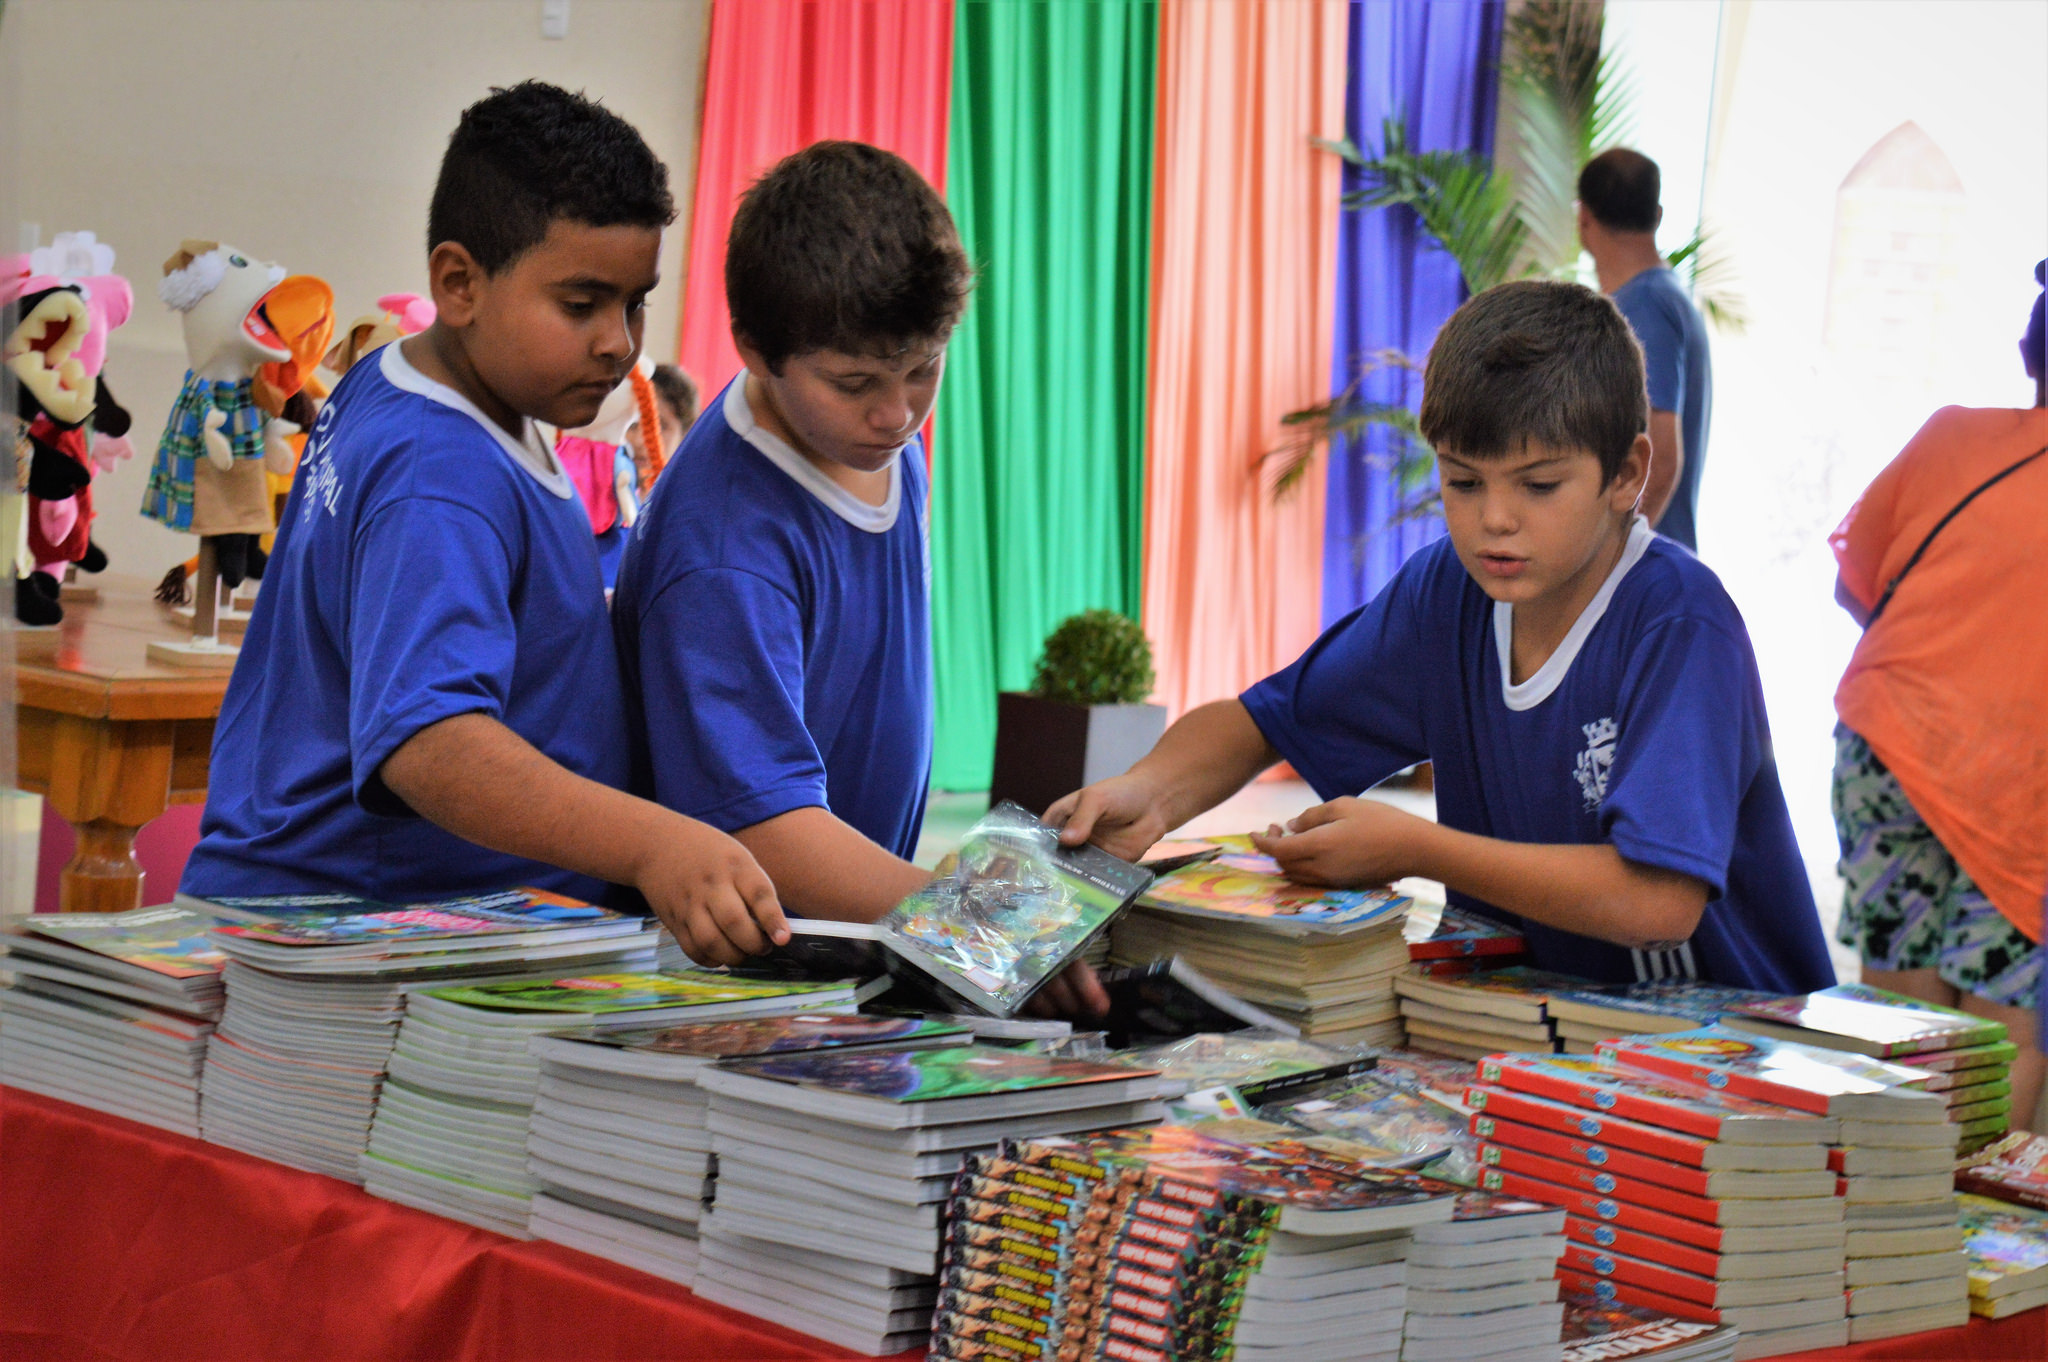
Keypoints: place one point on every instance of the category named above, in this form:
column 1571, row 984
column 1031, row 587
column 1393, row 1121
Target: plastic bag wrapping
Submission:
column 1233, row 1059
column 1418, row 1129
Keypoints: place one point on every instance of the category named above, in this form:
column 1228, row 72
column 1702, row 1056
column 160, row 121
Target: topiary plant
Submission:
column 1097, row 657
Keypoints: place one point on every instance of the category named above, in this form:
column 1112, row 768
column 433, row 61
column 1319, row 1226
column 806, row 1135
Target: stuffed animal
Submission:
column 208, row 478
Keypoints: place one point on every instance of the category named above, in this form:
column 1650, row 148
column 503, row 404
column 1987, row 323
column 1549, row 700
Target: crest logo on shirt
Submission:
column 1596, row 761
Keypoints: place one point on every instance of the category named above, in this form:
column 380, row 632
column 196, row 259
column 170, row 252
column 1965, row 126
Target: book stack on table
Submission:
column 2007, row 1249
column 1903, row 1272
column 1598, row 1330
column 834, row 1167
column 1680, row 1198
column 1322, row 960
column 1966, row 1059
column 315, row 995
column 1447, row 940
column 450, row 1133
column 1483, row 1286
column 1590, row 1013
column 1471, row 1016
column 112, row 1010
column 618, row 1137
column 1177, row 1243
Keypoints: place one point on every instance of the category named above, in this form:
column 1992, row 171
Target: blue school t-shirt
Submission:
column 1680, row 377
column 774, row 631
column 1645, row 729
column 427, row 565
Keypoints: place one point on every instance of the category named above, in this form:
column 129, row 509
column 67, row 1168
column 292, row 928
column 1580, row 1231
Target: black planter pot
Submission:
column 1046, row 749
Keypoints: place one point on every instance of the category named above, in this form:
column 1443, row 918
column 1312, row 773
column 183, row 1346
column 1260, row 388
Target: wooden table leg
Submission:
column 107, row 778
column 102, row 875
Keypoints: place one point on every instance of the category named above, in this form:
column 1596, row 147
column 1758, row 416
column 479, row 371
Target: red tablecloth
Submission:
column 121, row 1243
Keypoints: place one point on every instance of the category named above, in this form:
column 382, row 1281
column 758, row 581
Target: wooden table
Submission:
column 109, row 738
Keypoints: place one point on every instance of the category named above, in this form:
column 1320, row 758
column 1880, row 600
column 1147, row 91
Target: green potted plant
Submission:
column 1084, row 718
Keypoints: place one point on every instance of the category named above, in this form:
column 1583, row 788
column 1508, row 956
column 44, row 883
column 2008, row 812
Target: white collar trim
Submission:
column 739, row 414
column 529, row 452
column 1550, row 675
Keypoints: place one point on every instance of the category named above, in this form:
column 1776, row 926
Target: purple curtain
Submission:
column 1434, row 63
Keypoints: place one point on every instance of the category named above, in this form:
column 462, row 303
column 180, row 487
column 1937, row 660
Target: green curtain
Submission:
column 1039, row 462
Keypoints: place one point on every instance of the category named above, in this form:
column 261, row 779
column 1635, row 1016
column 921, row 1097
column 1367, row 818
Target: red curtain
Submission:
column 780, row 75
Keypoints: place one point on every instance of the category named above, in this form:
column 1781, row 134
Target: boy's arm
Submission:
column 822, row 867
column 475, row 777
column 1205, row 758
column 1590, row 889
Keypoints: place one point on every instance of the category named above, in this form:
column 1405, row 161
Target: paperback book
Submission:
column 679, row 1052
column 1809, row 1078
column 1436, row 931
column 1415, row 1129
column 2014, row 1169
column 1708, row 1112
column 1243, row 885
column 1870, row 1021
column 1610, row 1331
column 2007, row 1248
column 1656, row 1005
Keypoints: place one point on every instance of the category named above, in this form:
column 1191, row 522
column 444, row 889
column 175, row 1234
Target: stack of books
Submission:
column 112, row 1010
column 1603, row 1330
column 1484, row 1285
column 1680, row 1198
column 1899, row 1281
column 2007, row 1247
column 1172, row 1243
column 1446, row 940
column 618, row 1137
column 2013, row 1169
column 315, row 995
column 450, row 1133
column 1322, row 960
column 1591, row 1013
column 1471, row 1016
column 1969, row 1058
column 833, row 1170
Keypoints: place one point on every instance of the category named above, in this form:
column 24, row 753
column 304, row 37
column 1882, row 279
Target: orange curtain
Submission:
column 1243, row 285
column 781, row 74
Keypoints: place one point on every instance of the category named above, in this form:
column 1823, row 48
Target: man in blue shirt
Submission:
column 1618, row 217
column 1585, row 690
column 427, row 702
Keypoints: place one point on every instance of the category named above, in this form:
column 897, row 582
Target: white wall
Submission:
column 306, row 132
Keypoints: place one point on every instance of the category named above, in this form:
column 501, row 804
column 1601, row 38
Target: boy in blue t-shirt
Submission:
column 1584, row 689
column 427, row 702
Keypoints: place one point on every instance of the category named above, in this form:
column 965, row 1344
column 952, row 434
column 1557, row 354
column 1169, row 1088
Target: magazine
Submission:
column 908, row 1077
column 1810, row 1078
column 1243, row 885
column 516, row 910
column 2014, row 1169
column 1017, row 909
column 168, row 940
column 609, row 994
column 1867, row 1020
column 679, row 1051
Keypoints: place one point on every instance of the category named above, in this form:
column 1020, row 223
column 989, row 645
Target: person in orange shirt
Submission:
column 1941, row 766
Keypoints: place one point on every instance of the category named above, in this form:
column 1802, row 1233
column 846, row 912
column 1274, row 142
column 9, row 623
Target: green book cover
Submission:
column 599, row 994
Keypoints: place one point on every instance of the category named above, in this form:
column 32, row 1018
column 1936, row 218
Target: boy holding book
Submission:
column 427, row 702
column 1585, row 690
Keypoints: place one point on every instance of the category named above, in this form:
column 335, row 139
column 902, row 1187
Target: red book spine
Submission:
column 1602, row 1288
column 1612, row 1130
column 1601, row 1183
column 1587, row 1154
column 1618, row 1267
column 1636, row 1244
column 1629, row 1106
column 1605, row 1209
column 1711, row 1076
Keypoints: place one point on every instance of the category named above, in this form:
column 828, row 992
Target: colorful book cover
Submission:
column 1601, row 1209
column 1967, row 1059
column 1618, row 1132
column 170, row 940
column 298, row 905
column 1610, row 1331
column 1441, row 1078
column 518, row 910
column 1806, row 1077
column 1441, row 932
column 1598, row 1084
column 1883, row 1023
column 1414, row 1128
column 1627, row 1293
column 773, row 1035
column 2007, row 1246
column 903, row 1076
column 1692, row 1001
column 1243, row 885
column 2013, row 1170
column 604, row 994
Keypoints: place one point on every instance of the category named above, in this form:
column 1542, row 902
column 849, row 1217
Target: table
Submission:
column 109, row 738
column 127, row 1243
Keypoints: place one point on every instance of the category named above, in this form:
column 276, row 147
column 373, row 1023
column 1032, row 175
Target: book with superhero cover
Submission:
column 904, row 1089
column 1653, row 1005
column 1785, row 1262
column 954, row 1330
column 1017, row 909
column 1747, row 1318
column 678, row 1052
column 1436, row 931
column 1713, row 1183
column 1817, row 1207
column 1866, row 1020
column 1413, row 1128
column 1635, row 1094
column 1049, row 1181
column 1713, row 1292
column 624, row 999
column 1169, row 1000
column 1243, row 885
column 1260, row 1066
column 1517, row 993
column 1805, row 1077
column 2012, row 1169
column 1714, row 1237
column 2007, row 1248
column 1619, row 1133
column 1597, row 1331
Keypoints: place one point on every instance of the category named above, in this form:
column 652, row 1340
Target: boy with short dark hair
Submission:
column 427, row 702
column 1584, row 689
column 772, row 613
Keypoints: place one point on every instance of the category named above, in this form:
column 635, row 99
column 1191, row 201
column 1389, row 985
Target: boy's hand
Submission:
column 1074, row 993
column 1345, row 844
column 712, row 894
column 1122, row 815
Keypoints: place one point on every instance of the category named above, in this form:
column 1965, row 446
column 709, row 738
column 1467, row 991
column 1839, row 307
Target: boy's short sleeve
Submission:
column 1348, row 713
column 721, row 655
column 1663, row 349
column 430, row 631
column 1688, row 742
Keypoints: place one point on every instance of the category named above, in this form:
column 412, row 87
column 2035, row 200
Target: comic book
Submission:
column 1690, row 1179
column 1805, row 1077
column 2007, row 1246
column 1812, row 1207
column 2014, row 1169
column 1870, row 1021
column 1243, row 885
column 1609, row 1331
column 1637, row 1095
column 1620, row 1133
column 1600, row 1208
column 510, row 912
column 170, row 941
column 1261, row 1066
column 680, row 1050
column 1655, row 1005
column 1415, row 1129
column 1436, row 931
column 1517, row 993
